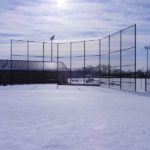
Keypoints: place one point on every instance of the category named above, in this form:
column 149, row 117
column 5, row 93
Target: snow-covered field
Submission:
column 42, row 117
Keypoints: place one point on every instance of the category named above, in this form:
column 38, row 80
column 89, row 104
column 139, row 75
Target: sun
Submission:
column 62, row 4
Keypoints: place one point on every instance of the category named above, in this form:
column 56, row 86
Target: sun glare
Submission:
column 61, row 3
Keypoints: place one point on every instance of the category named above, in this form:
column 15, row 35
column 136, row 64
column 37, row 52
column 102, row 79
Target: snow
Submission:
column 129, row 85
column 42, row 117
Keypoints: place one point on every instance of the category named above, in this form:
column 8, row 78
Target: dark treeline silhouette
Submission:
column 103, row 71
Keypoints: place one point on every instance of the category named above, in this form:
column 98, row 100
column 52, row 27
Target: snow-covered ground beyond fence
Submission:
column 42, row 117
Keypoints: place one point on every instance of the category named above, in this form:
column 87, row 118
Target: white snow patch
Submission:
column 42, row 117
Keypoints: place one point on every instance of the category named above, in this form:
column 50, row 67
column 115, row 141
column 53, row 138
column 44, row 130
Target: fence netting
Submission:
column 31, row 62
column 108, row 62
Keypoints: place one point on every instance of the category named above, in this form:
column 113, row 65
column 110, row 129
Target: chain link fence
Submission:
column 108, row 62
column 30, row 63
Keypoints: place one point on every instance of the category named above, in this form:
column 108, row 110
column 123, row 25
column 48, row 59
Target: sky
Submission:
column 73, row 20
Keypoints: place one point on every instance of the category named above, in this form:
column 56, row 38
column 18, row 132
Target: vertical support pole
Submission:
column 43, row 63
column 146, row 81
column 147, row 60
column 135, row 57
column 57, row 65
column 51, row 50
column 146, row 75
column 100, row 62
column 84, row 61
column 28, row 62
column 109, row 62
column 11, row 61
column 120, row 60
column 70, row 63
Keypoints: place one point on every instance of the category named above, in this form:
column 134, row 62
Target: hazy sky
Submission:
column 72, row 19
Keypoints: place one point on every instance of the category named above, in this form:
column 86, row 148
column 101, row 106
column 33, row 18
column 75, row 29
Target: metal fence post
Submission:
column 43, row 62
column 11, row 61
column 84, row 61
column 145, row 82
column 70, row 62
column 120, row 59
column 28, row 62
column 51, row 50
column 135, row 57
column 109, row 62
column 146, row 74
column 100, row 62
column 57, row 65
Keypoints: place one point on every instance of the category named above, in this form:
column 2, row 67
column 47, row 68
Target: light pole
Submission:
column 51, row 39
